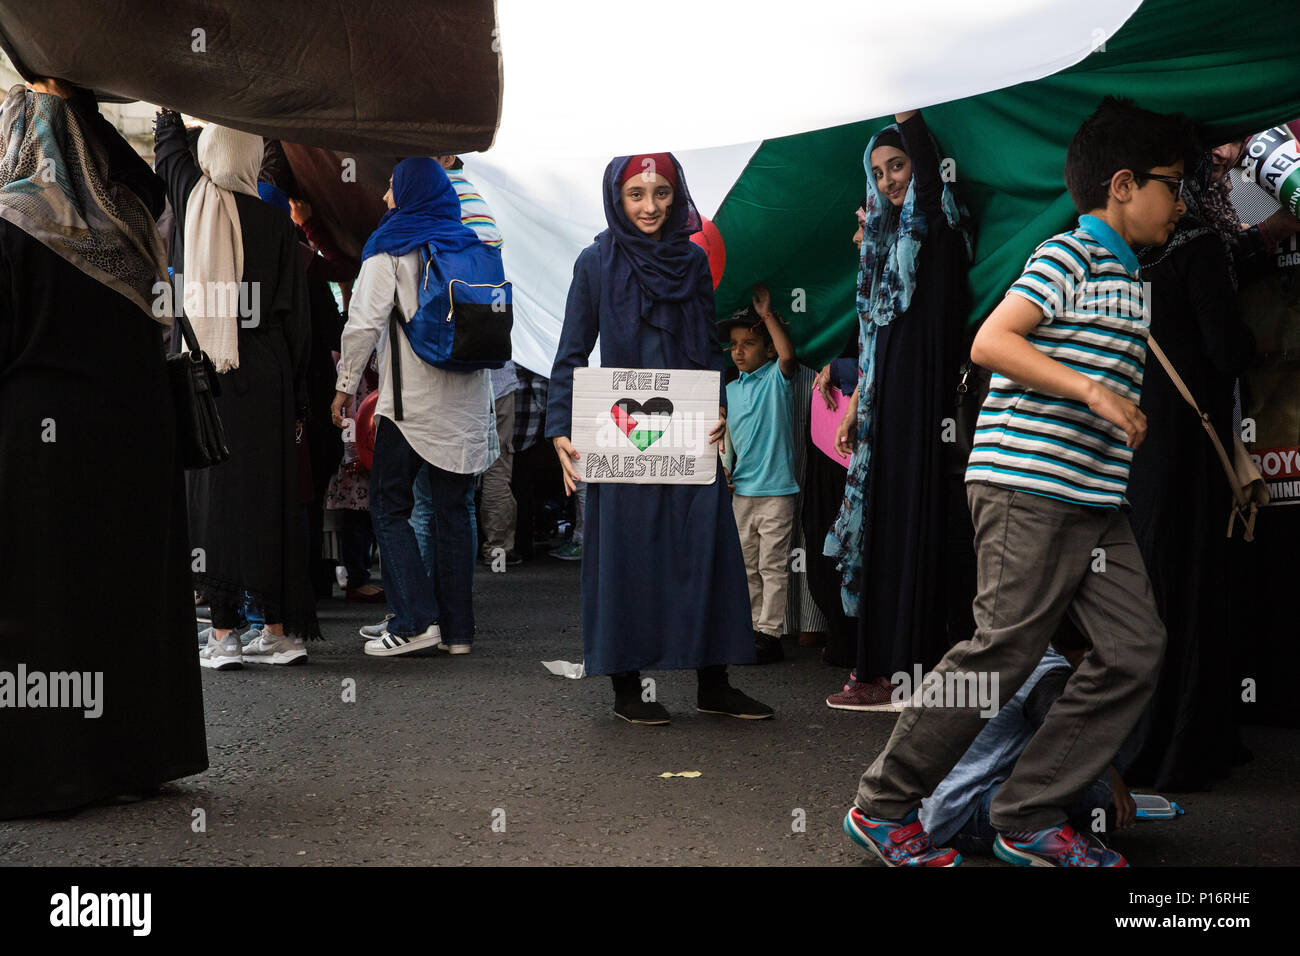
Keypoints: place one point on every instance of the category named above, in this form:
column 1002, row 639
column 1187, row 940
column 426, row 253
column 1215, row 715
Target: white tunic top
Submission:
column 448, row 417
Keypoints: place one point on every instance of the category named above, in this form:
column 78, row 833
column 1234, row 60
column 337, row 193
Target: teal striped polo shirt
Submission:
column 474, row 211
column 1096, row 317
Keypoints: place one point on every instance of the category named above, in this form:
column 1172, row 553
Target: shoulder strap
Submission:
column 187, row 331
column 1233, row 481
column 395, row 361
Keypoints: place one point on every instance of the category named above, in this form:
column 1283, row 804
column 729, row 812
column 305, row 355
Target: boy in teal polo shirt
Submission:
column 761, row 425
column 1046, row 483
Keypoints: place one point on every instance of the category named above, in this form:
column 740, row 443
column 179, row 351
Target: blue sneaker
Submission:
column 897, row 842
column 1055, row 846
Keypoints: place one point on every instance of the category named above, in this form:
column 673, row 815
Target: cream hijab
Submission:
column 214, row 247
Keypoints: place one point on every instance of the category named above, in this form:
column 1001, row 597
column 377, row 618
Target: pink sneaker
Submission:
column 876, row 695
column 897, row 842
column 1055, row 846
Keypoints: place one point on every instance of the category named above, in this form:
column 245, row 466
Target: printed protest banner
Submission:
column 645, row 426
column 1281, row 470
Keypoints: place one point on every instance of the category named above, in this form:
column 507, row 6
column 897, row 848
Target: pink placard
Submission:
column 825, row 422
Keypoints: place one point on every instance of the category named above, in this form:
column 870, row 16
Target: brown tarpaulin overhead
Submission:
column 402, row 77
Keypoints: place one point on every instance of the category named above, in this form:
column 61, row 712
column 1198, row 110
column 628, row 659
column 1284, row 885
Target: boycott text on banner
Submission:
column 645, row 426
column 1281, row 470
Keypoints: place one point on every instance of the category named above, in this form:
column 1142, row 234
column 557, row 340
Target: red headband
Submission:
column 660, row 163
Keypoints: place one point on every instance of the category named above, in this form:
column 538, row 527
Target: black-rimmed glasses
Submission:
column 1175, row 184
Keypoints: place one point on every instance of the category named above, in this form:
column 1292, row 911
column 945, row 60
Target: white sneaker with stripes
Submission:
column 390, row 645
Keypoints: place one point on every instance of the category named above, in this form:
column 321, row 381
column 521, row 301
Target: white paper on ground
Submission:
column 566, row 669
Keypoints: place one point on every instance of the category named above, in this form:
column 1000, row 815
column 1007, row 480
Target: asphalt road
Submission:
column 488, row 759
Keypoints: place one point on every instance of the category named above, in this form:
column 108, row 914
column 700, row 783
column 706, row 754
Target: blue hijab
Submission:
column 274, row 195
column 666, row 283
column 891, row 250
column 427, row 213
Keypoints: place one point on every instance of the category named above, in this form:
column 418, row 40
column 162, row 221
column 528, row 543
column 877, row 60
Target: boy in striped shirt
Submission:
column 1045, row 483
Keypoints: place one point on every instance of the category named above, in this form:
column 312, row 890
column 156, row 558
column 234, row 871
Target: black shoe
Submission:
column 768, row 648
column 629, row 705
column 733, row 703
column 717, row 696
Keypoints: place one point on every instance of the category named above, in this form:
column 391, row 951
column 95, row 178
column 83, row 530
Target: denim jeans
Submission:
column 443, row 523
column 253, row 613
column 410, row 592
column 355, row 537
column 978, row 833
column 422, row 516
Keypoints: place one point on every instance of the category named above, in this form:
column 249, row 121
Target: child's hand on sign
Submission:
column 822, row 383
column 717, row 435
column 846, row 435
column 567, row 454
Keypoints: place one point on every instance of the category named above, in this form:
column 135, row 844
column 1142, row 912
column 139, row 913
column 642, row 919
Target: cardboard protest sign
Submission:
column 645, row 426
column 825, row 423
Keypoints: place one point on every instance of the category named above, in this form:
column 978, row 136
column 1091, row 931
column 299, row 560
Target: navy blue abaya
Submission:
column 663, row 578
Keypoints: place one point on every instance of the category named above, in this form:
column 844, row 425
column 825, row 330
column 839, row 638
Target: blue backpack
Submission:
column 465, row 315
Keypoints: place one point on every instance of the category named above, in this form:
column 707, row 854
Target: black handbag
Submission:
column 200, row 437
column 971, row 391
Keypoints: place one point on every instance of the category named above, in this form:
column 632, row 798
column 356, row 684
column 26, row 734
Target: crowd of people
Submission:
column 950, row 544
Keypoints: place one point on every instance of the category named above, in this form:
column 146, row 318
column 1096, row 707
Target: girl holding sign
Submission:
column 663, row 579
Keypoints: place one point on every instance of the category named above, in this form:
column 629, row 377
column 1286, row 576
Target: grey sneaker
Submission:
column 266, row 648
column 372, row 631
column 223, row 656
column 245, row 639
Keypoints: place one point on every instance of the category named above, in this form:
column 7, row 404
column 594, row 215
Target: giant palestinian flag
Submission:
column 761, row 113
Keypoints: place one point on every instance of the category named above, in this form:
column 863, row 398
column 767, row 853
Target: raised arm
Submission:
column 173, row 160
column 919, row 145
column 780, row 338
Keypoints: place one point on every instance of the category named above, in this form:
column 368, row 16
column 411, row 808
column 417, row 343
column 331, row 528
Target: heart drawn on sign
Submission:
column 643, row 423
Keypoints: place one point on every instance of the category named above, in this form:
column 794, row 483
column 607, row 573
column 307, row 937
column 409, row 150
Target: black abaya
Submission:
column 94, row 557
column 918, row 569
column 244, row 513
column 1180, row 497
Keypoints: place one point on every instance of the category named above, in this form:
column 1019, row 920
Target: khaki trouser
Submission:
column 498, row 502
column 1038, row 560
column 765, row 524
